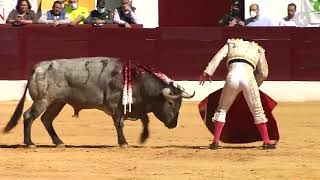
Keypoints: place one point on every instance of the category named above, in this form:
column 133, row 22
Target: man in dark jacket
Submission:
column 233, row 17
column 101, row 15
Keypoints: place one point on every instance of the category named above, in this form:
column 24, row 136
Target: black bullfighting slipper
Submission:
column 268, row 146
column 213, row 146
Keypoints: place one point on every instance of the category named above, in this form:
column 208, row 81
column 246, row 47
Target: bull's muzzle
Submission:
column 171, row 125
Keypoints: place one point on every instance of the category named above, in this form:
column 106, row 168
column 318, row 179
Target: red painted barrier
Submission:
column 181, row 53
column 184, row 13
column 11, row 57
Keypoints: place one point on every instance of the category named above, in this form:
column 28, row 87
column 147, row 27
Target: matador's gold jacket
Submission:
column 241, row 49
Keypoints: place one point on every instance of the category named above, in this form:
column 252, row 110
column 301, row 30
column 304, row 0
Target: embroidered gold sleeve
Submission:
column 215, row 61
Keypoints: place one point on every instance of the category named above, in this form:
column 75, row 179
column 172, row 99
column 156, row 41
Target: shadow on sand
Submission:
column 14, row 146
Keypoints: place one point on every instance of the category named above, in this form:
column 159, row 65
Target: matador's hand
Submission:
column 204, row 77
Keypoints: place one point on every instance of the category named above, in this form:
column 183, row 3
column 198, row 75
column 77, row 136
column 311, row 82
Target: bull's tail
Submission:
column 17, row 113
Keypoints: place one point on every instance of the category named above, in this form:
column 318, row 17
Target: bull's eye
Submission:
column 170, row 103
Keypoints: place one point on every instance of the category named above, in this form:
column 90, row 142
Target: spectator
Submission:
column 22, row 14
column 256, row 19
column 56, row 16
column 289, row 20
column 233, row 17
column 77, row 14
column 101, row 15
column 125, row 14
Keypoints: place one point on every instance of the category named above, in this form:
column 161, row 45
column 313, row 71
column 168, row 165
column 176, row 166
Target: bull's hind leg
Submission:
column 145, row 132
column 119, row 124
column 29, row 116
column 47, row 118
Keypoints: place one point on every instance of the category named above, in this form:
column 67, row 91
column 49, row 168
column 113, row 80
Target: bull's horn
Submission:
column 188, row 96
column 184, row 93
column 166, row 93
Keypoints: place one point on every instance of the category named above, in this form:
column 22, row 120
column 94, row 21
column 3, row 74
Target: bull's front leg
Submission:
column 119, row 124
column 145, row 132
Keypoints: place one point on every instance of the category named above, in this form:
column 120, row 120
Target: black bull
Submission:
column 95, row 83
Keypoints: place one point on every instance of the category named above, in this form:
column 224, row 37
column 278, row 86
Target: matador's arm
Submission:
column 261, row 72
column 215, row 61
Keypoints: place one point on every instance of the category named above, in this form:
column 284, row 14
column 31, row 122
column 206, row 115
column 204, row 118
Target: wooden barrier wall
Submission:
column 188, row 13
column 181, row 53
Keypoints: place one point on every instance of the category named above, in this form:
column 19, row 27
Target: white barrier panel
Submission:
column 147, row 11
column 278, row 90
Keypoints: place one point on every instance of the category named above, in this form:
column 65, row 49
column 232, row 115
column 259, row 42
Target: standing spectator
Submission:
column 100, row 16
column 76, row 13
column 233, row 17
column 256, row 19
column 289, row 20
column 22, row 14
column 125, row 14
column 56, row 16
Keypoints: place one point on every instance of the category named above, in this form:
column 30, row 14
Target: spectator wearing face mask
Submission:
column 56, row 16
column 126, row 14
column 256, row 19
column 233, row 17
column 76, row 13
column 101, row 15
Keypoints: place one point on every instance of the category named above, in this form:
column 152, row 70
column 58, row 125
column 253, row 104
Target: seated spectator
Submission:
column 100, row 16
column 125, row 14
column 233, row 17
column 77, row 14
column 256, row 19
column 56, row 16
column 289, row 20
column 22, row 14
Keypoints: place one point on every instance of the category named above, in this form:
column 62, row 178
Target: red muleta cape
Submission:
column 239, row 127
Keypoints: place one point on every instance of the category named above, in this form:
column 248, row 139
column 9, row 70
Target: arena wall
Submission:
column 181, row 53
column 184, row 13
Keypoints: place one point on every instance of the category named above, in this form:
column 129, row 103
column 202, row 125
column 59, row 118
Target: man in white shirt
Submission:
column 126, row 14
column 56, row 16
column 289, row 20
column 256, row 19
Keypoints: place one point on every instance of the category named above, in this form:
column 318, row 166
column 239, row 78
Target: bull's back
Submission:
column 79, row 80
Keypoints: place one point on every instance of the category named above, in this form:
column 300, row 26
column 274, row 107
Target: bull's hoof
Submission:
column 31, row 146
column 123, row 146
column 60, row 146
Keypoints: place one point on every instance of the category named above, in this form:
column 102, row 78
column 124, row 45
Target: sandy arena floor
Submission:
column 181, row 153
